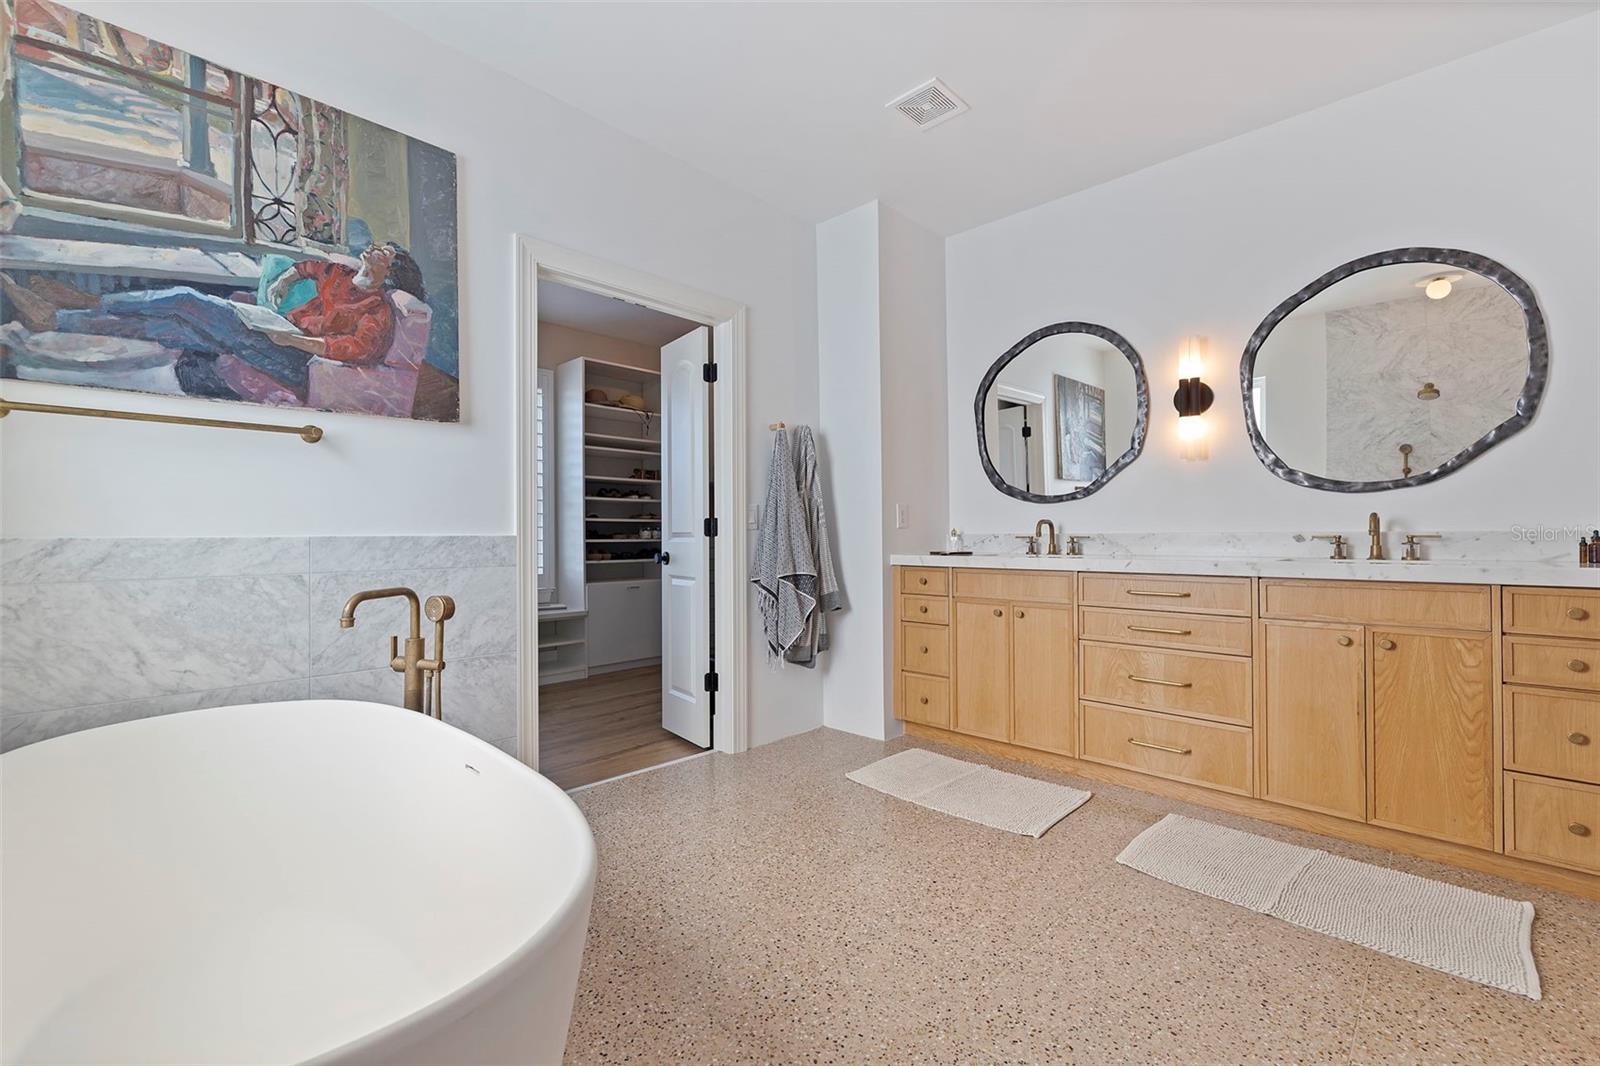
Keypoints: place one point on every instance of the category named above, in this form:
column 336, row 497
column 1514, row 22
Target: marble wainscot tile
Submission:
column 345, row 554
column 480, row 695
column 28, row 561
column 72, row 644
column 17, row 730
column 485, row 621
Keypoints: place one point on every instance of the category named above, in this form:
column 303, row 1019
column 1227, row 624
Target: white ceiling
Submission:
column 785, row 100
column 593, row 313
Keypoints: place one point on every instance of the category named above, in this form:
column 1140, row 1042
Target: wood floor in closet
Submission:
column 607, row 725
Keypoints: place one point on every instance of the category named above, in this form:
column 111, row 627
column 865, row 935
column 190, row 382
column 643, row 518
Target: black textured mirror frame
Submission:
column 1527, row 401
column 1141, row 422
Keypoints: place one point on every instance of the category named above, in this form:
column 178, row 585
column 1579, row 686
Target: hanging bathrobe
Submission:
column 794, row 575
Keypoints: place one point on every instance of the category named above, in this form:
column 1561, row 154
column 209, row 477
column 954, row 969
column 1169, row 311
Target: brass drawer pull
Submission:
column 1159, row 681
column 998, row 613
column 923, row 649
column 1579, row 739
column 1578, row 829
column 1159, row 629
column 1386, row 645
column 923, row 609
column 922, row 581
column 1577, row 614
column 1022, row 614
column 923, row 701
column 1169, row 595
column 1577, row 666
column 1160, row 747
column 1345, row 642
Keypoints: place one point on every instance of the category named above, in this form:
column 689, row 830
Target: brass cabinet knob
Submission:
column 922, row 581
column 1577, row 666
column 923, row 649
column 1345, row 642
column 923, row 609
column 998, row 613
column 1577, row 614
column 923, row 701
column 1578, row 829
column 1022, row 614
column 1579, row 739
column 1386, row 645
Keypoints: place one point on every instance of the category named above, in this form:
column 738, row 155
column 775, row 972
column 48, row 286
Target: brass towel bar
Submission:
column 309, row 434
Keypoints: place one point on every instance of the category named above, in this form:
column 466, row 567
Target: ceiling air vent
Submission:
column 929, row 104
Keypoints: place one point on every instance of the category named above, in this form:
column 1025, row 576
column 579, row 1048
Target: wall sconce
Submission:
column 1192, row 400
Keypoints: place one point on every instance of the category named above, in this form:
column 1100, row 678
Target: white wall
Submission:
column 560, row 344
column 1498, row 153
column 527, row 164
column 880, row 336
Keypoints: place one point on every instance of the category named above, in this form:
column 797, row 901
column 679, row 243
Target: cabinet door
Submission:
column 1431, row 742
column 1315, row 700
column 983, row 670
column 1043, row 696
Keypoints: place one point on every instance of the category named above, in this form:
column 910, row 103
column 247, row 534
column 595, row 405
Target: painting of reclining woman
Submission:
column 170, row 225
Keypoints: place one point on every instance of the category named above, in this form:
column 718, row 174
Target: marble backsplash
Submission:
column 109, row 630
column 1517, row 544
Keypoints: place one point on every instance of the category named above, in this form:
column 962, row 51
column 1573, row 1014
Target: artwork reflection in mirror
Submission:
column 1060, row 413
column 1390, row 373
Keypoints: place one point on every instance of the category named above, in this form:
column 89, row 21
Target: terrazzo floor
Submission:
column 761, row 908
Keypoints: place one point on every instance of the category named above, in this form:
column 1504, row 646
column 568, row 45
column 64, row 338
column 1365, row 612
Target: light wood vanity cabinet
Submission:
column 1458, row 722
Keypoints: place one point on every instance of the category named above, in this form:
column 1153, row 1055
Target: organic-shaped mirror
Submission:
column 1393, row 370
column 1061, row 412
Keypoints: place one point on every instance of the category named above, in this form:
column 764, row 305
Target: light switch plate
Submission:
column 901, row 516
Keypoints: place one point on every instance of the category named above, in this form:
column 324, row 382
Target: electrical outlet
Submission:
column 901, row 516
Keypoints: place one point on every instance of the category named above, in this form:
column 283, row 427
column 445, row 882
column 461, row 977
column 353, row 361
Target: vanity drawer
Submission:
column 1553, row 821
column 1230, row 636
column 1557, row 663
column 1380, row 603
column 925, row 649
column 925, row 700
column 1552, row 612
column 1182, row 749
column 1036, row 586
column 1553, row 733
column 934, row 610
column 1211, row 595
column 925, row 580
column 1190, row 683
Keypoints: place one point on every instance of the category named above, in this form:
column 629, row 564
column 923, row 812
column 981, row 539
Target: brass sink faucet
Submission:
column 1054, row 545
column 418, row 670
column 1375, row 547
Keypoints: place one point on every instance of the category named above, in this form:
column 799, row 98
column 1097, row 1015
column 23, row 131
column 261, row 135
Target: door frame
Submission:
column 538, row 260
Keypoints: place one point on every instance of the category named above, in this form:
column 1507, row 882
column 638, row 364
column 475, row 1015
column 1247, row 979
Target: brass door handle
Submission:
column 1159, row 747
column 1159, row 681
column 998, row 613
column 1577, row 614
column 1577, row 666
column 1386, row 645
column 1578, row 829
column 1159, row 629
column 1148, row 592
column 1345, row 642
column 1579, row 739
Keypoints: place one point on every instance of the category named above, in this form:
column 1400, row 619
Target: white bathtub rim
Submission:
column 462, row 1000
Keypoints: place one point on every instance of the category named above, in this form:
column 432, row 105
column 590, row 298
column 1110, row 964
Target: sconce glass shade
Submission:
column 1192, row 442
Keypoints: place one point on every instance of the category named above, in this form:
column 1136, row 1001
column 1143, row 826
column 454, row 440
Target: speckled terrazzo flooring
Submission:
column 820, row 921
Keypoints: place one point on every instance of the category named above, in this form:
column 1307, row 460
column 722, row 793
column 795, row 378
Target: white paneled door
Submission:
column 685, row 549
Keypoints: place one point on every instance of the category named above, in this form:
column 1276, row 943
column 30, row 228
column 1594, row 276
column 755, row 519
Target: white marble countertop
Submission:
column 1447, row 571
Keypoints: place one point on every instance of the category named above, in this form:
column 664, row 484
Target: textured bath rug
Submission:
column 979, row 794
column 1454, row 930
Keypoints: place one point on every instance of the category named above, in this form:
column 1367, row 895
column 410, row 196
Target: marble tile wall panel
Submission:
column 94, row 632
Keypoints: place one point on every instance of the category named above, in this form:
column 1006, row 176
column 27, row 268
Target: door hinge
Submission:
column 711, row 527
column 709, row 372
column 711, row 681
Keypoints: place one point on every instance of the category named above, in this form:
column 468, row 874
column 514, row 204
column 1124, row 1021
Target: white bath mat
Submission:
column 1454, row 930
column 979, row 794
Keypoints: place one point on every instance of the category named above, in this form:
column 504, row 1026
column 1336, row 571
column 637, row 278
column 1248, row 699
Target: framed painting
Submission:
column 170, row 225
column 1080, row 429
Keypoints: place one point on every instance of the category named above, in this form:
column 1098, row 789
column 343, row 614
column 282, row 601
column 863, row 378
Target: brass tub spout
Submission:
column 411, row 663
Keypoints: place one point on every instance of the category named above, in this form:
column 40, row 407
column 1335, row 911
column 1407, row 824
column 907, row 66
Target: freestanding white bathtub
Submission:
column 314, row 882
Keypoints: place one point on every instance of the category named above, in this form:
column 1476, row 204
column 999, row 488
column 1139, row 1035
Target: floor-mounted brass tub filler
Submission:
column 423, row 691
